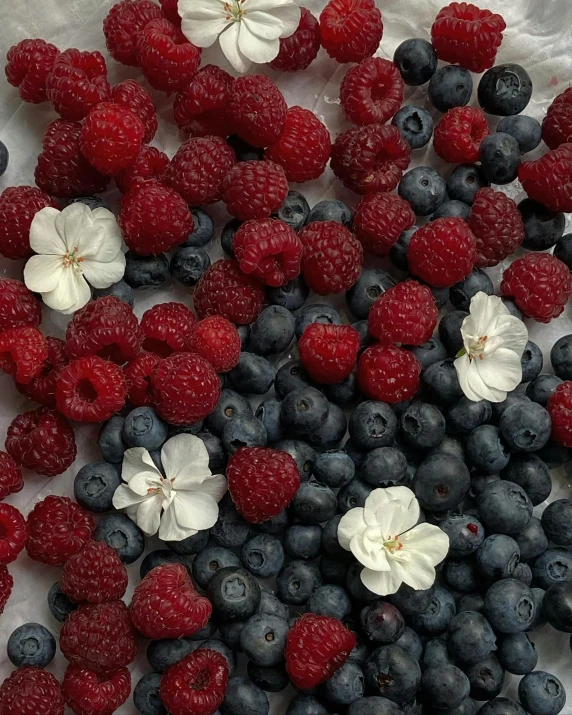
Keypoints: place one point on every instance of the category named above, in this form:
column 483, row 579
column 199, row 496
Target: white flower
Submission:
column 384, row 538
column 494, row 340
column 75, row 247
column 179, row 504
column 248, row 30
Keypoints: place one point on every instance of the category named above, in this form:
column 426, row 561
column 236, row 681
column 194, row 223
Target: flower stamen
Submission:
column 393, row 545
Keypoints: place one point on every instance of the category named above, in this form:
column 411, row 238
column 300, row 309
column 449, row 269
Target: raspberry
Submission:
column 88, row 693
column 388, row 373
column 77, row 82
column 185, row 388
column 254, row 189
column 6, row 586
column 269, row 249
column 351, row 30
column 225, row 290
column 166, row 604
column 167, row 328
column 18, row 206
column 459, row 133
column 95, row 574
column 549, row 180
column 332, row 258
column 557, row 124
column 57, row 528
column 262, row 482
column 217, row 340
column 18, row 305
column 42, row 389
column 540, row 285
column 406, row 313
column 372, row 91
column 12, row 533
column 298, row 51
column 379, row 221
column 560, row 410
column 466, row 35
column 329, row 352
column 138, row 378
column 11, row 481
column 198, row 169
column 106, row 327
column 303, row 148
column 131, row 95
column 99, row 636
column 316, row 647
column 497, row 225
column 170, row 11
column 370, row 158
column 23, row 352
column 149, row 164
column 256, row 109
column 121, row 25
column 201, row 107
column 169, row 61
column 196, row 684
column 31, row 691
column 442, row 252
column 27, row 66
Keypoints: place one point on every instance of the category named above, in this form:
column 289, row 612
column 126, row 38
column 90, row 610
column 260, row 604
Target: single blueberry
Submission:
column 424, row 189
column 273, row 331
column 263, row 639
column 268, row 412
column 471, row 602
column 252, row 375
column 372, row 424
column 244, row 432
column 505, row 90
column 464, row 183
column 525, row 427
column 209, row 561
column 398, row 252
column 557, row 606
column 410, row 601
column 276, row 525
column 59, row 603
column 316, row 313
column 372, row 283
column 161, row 557
column 411, row 643
column 441, row 382
column 144, row 428
column 498, row 556
column 540, row 389
column 509, row 606
column 501, row 706
column 452, row 209
column 385, row 467
column 269, row 603
column 165, row 652
column 450, row 331
column 435, row 654
column 416, row 60
column 230, row 634
column 486, row 451
column 505, row 507
column 531, row 540
column 541, row 693
column 291, row 376
column 234, row 593
column 188, row 265
column 561, row 357
column 500, row 158
column 441, row 482
column 230, row 530
column 110, row 440
column 304, row 410
column 465, row 534
column 147, row 695
column 530, row 473
column 271, row 678
column 202, row 232
column 95, row 485
column 476, row 282
column 4, row 158
column 531, row 361
column 382, row 622
column 244, row 698
column 466, row 415
column 422, row 425
column 306, row 705
column 346, row 686
column 263, row 555
column 392, row 673
column 355, row 587
column 227, row 236
column 415, row 125
column 120, row 290
column 297, row 581
column 436, row 618
column 123, row 535
column 462, row 576
column 303, row 541
column 31, row 644
column 330, row 541
column 291, row 296
column 430, row 352
column 331, row 210
column 557, row 522
column 451, row 86
column 511, row 399
column 445, row 687
column 552, row 567
column 231, row 405
column 345, row 392
column 542, row 228
column 243, row 150
column 331, row 432
column 486, row 678
column 301, row 453
column 94, row 202
column 353, row 494
column 294, row 211
column 449, row 445
column 216, row 450
column 145, row 271
column 563, row 249
column 314, row 503
column 330, row 600
column 526, row 130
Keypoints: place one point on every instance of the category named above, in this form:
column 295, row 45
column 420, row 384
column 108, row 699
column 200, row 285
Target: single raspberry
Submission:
column 169, row 61
column 196, row 684
column 201, row 107
column 351, row 30
column 254, row 189
column 442, row 252
column 170, row 11
column 94, row 574
column 18, row 206
column 12, row 533
column 225, row 290
column 27, row 66
column 198, row 169
column 18, row 305
column 379, row 221
column 138, row 378
column 316, row 647
column 329, row 352
column 77, row 82
column 185, row 388
column 99, row 636
column 167, row 328
column 262, row 482
column 133, row 96
column 372, row 91
column 6, row 586
column 303, row 149
column 332, row 259
column 31, row 691
column 406, row 313
column 560, row 410
column 557, row 124
column 466, row 35
column 106, row 327
column 166, row 604
column 388, row 373
column 497, row 225
column 298, row 51
column 540, row 285
column 23, row 352
column 549, row 180
column 217, row 340
column 11, row 480
column 57, row 528
column 121, row 25
column 256, row 109
column 459, row 133
column 150, row 164
column 42, row 389
column 88, row 693
column 371, row 158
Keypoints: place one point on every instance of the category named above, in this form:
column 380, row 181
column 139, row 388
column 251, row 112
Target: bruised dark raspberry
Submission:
column 557, row 124
column 11, row 481
column 95, row 574
column 351, row 30
column 458, row 135
column 388, row 373
column 18, row 305
column 90, row 389
column 18, row 206
column 254, row 189
column 138, row 378
column 256, row 109
column 42, row 389
column 379, row 221
column 28, row 65
column 23, row 352
column 298, row 51
column 121, row 25
column 406, row 313
column 131, row 95
column 77, row 82
column 201, row 108
column 6, row 586
column 12, row 533
column 497, row 225
column 372, row 91
column 149, row 164
column 167, row 328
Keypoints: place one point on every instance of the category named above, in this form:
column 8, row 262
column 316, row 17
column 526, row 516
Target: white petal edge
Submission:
column 136, row 460
column 44, row 237
column 229, row 45
column 428, row 540
column 351, row 524
column 125, row 498
column 71, row 222
column 171, row 530
column 501, row 370
column 195, row 510
column 383, row 583
column 70, row 294
column 149, row 514
column 257, row 49
column 42, row 273
column 185, row 459
column 396, row 509
column 102, row 275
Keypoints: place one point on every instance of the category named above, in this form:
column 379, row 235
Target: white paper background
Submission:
column 539, row 36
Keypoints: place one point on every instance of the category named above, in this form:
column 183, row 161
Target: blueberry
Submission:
column 234, row 593
column 306, row 705
column 445, row 687
column 273, row 331
column 120, row 290
column 452, row 209
column 188, row 265
column 303, row 541
column 437, row 616
column 476, row 282
column 372, row 424
column 191, row 545
column 373, row 705
column 486, row 678
column 243, row 150
column 411, row 643
column 301, row 452
column 59, row 603
column 165, row 652
column 505, row 507
column 415, row 125
column 540, row 389
column 382, row 622
column 440, row 295
column 230, row 634
column 517, row 654
column 330, row 543
column 94, row 202
column 435, row 654
column 244, row 698
column 356, row 455
column 465, row 534
column 464, row 183
column 304, row 410
column 297, row 581
column 314, row 503
column 330, row 600
column 31, row 644
column 512, row 308
column 441, row 483
column 541, row 693
column 523, row 573
column 244, row 432
column 147, row 695
column 500, row 158
column 230, row 530
column 263, row 639
column 110, row 440
column 161, row 557
column 202, row 232
column 471, row 602
column 451, row 446
column 416, row 60
column 144, row 428
column 393, row 673
column 411, row 601
column 316, row 313
column 501, row 706
column 252, row 375
column 525, row 427
column 372, row 283
column 345, row 392
column 461, row 576
column 429, row 353
column 561, row 357
column 563, row 249
column 4, row 158
column 353, row 494
column 334, row 569
column 268, row 413
column 466, row 415
column 291, row 376
column 531, row 362
column 361, row 651
column 211, row 560
column 424, row 188
column 123, row 535
column 552, row 567
column 511, row 399
column 497, row 556
column 276, row 525
column 398, row 252
column 532, row 474
column 557, row 523
column 331, row 210
column 509, row 606
column 146, row 271
column 294, row 211
column 216, row 450
column 95, row 484
column 450, row 331
column 192, row 428
column 557, row 606
column 486, row 451
column 451, row 86
column 555, row 455
column 505, row 90
column 422, row 425
column 227, row 236
column 271, row 678
column 291, row 296
column 346, row 685
column 269, row 603
column 531, row 540
column 331, row 432
column 230, row 406
column 542, row 228
column 385, row 467
column 334, row 468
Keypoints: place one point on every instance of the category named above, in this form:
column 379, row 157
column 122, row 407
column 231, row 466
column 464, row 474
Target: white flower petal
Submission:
column 483, row 308
column 501, row 370
column 479, row 387
column 384, row 583
column 463, row 367
column 44, row 237
column 202, row 10
column 370, row 555
column 351, row 524
column 418, row 572
column 396, row 509
column 125, row 498
column 103, row 240
column 203, row 34
column 135, row 461
column 509, row 331
column 185, row 459
column 195, row 510
column 149, row 514
column 171, row 530
column 254, row 47
column 42, row 273
column 102, row 275
column 70, row 294
column 229, row 45
column 143, row 482
column 289, row 15
column 214, row 486
column 263, row 25
column 72, row 222
column 426, row 539
column 270, row 6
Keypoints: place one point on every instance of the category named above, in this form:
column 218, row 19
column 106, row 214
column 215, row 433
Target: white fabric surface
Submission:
column 539, row 36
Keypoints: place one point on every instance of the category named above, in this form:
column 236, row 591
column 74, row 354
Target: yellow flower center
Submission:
column 234, row 10
column 393, row 545
column 72, row 260
column 477, row 347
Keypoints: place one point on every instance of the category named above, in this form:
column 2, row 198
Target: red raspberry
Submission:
column 303, row 149
column 459, row 133
column 560, row 410
column 27, row 66
column 557, row 124
column 406, row 313
column 167, row 328
column 185, row 388
column 549, row 180
column 77, row 82
column 131, row 95
column 256, row 109
column 217, row 340
column 41, row 440
column 254, row 189
column 42, row 389
column 196, row 684
column 57, row 528
column 31, row 691
column 442, row 252
column 166, row 604
column 18, row 305
column 198, row 169
column 497, row 225
column 225, row 290
column 388, row 373
column 170, row 11
column 316, row 647
column 99, row 636
column 12, row 533
column 372, row 91
column 269, row 249
column 329, row 352
column 262, row 482
column 88, row 693
column 332, row 258
column 6, row 586
column 23, row 352
column 121, row 25
column 149, row 164
column 11, row 481
column 298, row 51
column 540, row 285
column 169, row 61
column 379, row 221
column 18, row 206
column 95, row 574
column 371, row 158
column 201, row 106
column 466, row 35
column 351, row 30
column 138, row 378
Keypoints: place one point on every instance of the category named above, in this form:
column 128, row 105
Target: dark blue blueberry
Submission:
column 334, row 468
column 422, row 425
column 563, row 249
column 372, row 424
column 561, row 357
column 330, row 600
column 216, row 450
column 302, row 453
column 356, row 455
column 531, row 540
column 244, row 334
column 209, row 561
column 144, row 428
column 497, row 557
column 385, row 467
column 244, row 698
column 505, row 90
column 398, row 252
column 331, row 210
column 188, row 265
column 31, row 644
column 451, row 446
column 59, row 604
column 120, row 290
column 450, row 331
column 4, row 158
column 541, row 693
column 466, row 415
column 501, row 706
column 435, row 654
column 465, row 534
column 193, row 428
column 451, row 86
column 557, row 606
column 372, row 283
column 230, row 406
column 355, row 586
column 555, row 455
column 230, row 530
column 306, row 705
column 191, row 545
column 243, row 150
column 353, row 494
column 269, row 603
column 316, row 313
column 486, row 451
column 123, row 535
column 314, row 503
column 362, row 649
column 436, row 618
column 440, row 295
column 415, row 125
column 476, row 282
column 486, row 678
column 334, row 569
column 304, row 410
column 505, row 507
column 424, row 188
column 95, row 485
column 523, row 573
column 147, row 695
column 452, row 209
column 303, row 541
column 411, row 643
column 276, row 525
column 145, row 271
column 331, row 432
column 471, row 602
column 531, row 362
column 291, row 296
column 374, row 705
column 268, row 412
column 94, row 202
column 330, row 542
column 291, row 376
column 227, row 236
column 202, row 232
column 297, row 581
column 525, row 427
column 542, row 228
column 557, row 522
column 410, row 601
column 444, row 687
column 273, row 331
column 263, row 555
column 382, row 622
column 252, row 375
column 263, row 639
column 161, row 557
column 230, row 634
column 271, row 678
column 165, row 652
column 464, row 183
column 110, row 440
column 461, row 576
column 526, row 130
column 552, row 567
column 499, row 155
column 346, row 685
column 343, row 393
column 244, row 432
column 511, row 399
column 441, row 482
column 416, row 60
column 430, row 352
column 509, row 606
column 234, row 593
column 512, row 307
column 540, row 389
column 393, row 673
column 294, row 211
